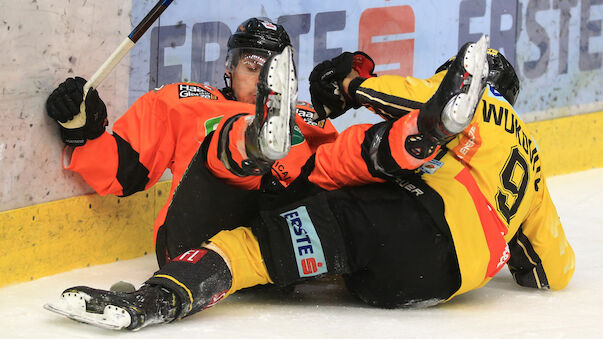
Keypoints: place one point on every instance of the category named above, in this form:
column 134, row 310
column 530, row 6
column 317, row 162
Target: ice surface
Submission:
column 323, row 309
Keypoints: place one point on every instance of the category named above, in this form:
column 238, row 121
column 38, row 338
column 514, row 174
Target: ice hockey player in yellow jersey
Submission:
column 488, row 174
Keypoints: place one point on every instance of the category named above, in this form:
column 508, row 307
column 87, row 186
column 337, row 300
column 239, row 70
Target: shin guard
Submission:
column 199, row 277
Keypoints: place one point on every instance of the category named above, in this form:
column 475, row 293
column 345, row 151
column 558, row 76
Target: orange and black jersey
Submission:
column 306, row 138
column 162, row 130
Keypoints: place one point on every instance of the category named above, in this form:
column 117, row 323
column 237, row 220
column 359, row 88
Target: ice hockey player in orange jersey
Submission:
column 164, row 128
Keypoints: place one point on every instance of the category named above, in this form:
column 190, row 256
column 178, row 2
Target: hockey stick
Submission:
column 79, row 119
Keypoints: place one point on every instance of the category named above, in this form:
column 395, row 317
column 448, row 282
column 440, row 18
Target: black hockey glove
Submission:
column 326, row 89
column 501, row 75
column 64, row 103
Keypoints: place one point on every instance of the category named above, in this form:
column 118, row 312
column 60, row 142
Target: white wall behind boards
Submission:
column 43, row 42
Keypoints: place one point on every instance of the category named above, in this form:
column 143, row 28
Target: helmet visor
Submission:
column 247, row 60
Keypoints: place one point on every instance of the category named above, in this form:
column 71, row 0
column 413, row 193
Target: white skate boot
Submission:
column 268, row 138
column 450, row 110
column 117, row 310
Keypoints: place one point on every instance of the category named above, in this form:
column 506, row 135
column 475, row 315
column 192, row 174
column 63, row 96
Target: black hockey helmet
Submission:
column 255, row 40
column 258, row 37
column 261, row 34
column 501, row 75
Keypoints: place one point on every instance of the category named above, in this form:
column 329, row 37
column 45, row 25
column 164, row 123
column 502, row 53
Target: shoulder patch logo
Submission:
column 212, row 124
column 308, row 117
column 187, row 91
column 297, row 137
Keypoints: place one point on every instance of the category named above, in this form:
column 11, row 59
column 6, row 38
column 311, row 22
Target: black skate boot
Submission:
column 117, row 310
column 268, row 138
column 450, row 110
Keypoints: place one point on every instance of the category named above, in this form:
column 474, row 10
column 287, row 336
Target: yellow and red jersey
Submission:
column 489, row 177
column 496, row 159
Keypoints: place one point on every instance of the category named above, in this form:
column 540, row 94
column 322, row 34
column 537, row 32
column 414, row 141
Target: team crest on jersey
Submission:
column 297, row 137
column 431, row 167
column 308, row 117
column 187, row 91
column 212, row 124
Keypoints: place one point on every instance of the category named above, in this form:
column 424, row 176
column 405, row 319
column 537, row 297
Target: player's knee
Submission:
column 234, row 148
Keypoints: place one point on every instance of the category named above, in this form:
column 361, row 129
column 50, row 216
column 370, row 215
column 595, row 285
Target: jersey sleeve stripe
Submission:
column 132, row 175
column 525, row 264
column 388, row 104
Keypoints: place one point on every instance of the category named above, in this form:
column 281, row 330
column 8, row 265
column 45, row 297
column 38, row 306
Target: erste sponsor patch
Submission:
column 306, row 243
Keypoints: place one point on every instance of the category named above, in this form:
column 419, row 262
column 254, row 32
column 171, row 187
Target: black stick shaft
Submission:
column 149, row 19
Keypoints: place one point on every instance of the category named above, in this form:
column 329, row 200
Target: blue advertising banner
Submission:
column 556, row 46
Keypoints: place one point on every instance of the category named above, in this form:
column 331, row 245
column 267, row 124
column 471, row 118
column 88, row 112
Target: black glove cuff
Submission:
column 352, row 88
column 73, row 136
column 96, row 132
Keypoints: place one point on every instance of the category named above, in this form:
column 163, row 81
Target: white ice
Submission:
column 324, row 309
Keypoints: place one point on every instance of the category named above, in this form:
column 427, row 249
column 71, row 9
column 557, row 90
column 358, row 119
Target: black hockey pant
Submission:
column 391, row 243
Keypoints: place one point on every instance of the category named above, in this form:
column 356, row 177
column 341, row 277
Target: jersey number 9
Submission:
column 514, row 178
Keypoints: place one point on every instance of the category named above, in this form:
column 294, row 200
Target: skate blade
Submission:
column 280, row 106
column 73, row 306
column 460, row 110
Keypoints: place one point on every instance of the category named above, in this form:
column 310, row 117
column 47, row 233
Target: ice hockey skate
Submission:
column 450, row 110
column 268, row 138
column 117, row 310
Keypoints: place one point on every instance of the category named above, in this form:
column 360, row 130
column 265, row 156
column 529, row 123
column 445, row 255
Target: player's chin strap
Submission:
column 227, row 90
column 227, row 81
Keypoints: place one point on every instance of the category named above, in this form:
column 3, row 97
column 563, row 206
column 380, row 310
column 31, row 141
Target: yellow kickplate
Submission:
column 570, row 144
column 88, row 230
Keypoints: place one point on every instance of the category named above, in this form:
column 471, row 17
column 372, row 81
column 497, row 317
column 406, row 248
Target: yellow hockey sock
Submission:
column 242, row 254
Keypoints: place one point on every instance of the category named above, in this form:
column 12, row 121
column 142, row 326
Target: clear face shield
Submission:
column 247, row 61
